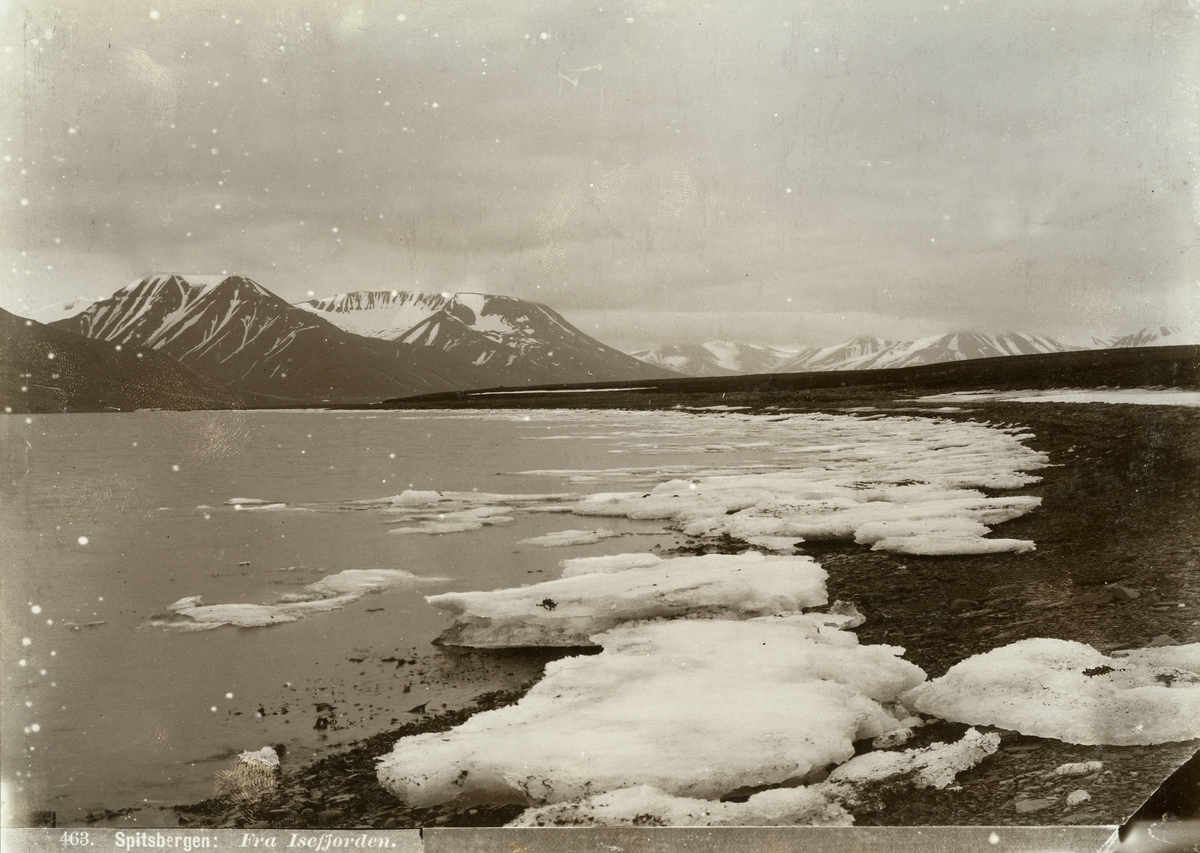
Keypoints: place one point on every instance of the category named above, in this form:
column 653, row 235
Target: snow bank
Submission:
column 329, row 593
column 1071, row 692
column 566, row 612
column 693, row 707
column 820, row 804
column 570, row 537
column 1129, row 396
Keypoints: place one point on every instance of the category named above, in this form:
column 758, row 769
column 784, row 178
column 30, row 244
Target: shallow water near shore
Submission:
column 111, row 518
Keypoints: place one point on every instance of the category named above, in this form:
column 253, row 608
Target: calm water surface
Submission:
column 109, row 518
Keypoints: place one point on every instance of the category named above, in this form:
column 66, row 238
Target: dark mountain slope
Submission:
column 44, row 369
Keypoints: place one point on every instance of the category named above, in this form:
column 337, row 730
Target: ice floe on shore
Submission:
column 329, row 593
column 693, row 707
column 568, row 611
column 818, row 804
column 1071, row 692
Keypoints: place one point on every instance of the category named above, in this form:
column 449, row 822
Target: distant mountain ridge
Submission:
column 235, row 332
column 717, row 358
column 867, row 352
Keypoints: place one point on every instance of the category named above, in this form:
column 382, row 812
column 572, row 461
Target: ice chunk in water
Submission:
column 693, row 707
column 1071, row 692
column 567, row 611
column 329, row 593
column 570, row 537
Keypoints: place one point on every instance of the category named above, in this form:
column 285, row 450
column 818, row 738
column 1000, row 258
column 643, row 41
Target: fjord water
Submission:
column 109, row 518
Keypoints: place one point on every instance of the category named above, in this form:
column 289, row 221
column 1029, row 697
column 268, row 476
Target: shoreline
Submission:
column 1118, row 507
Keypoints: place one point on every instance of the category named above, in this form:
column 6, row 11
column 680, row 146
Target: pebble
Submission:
column 1030, row 806
column 1079, row 768
column 1076, row 797
column 329, row 816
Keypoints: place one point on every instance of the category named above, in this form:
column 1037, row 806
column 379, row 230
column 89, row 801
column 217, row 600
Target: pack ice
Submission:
column 568, row 611
column 1072, row 692
column 909, row 485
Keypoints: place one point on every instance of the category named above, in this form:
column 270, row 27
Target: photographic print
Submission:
column 433, row 415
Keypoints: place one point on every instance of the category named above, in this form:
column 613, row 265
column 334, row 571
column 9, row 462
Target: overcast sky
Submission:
column 776, row 172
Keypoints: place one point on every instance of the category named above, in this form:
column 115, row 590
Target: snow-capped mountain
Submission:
column 1153, row 336
column 717, row 358
column 868, row 353
column 386, row 314
column 234, row 331
column 721, row 358
column 43, row 369
column 237, row 333
column 497, row 340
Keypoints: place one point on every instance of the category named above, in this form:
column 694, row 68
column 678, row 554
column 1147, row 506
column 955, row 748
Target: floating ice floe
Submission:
column 693, row 707
column 1071, row 692
column 818, row 804
column 563, row 538
column 568, row 611
column 329, row 593
column 903, row 484
column 255, row 504
column 458, row 521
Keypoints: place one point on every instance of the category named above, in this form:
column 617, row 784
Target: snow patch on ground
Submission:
column 329, row 593
column 568, row 611
column 1129, row 396
column 1071, row 692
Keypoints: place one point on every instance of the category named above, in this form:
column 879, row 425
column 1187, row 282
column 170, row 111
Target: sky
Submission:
column 783, row 173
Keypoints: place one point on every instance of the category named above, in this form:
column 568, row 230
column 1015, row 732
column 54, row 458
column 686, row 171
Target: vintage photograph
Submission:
column 434, row 414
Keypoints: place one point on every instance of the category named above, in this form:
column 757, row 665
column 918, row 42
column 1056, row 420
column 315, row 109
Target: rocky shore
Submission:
column 1115, row 567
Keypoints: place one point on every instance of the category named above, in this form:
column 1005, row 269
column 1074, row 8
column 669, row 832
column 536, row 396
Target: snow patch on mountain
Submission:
column 716, row 358
column 385, row 314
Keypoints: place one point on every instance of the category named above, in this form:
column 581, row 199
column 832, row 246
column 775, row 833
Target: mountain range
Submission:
column 724, row 358
column 351, row 348
column 221, row 341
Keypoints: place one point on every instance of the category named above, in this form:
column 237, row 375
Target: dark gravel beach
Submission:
column 1117, row 548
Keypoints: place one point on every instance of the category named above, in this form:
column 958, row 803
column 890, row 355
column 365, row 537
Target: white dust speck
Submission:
column 83, row 540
